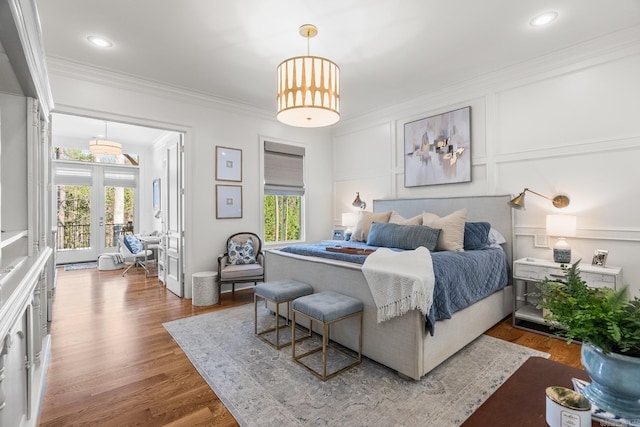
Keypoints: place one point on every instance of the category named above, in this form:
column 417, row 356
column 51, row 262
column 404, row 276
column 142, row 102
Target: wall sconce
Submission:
column 349, row 219
column 559, row 201
column 359, row 203
column 561, row 226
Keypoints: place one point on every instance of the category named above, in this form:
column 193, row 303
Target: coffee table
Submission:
column 521, row 400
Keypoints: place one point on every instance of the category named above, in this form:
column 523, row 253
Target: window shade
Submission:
column 69, row 174
column 120, row 177
column 283, row 169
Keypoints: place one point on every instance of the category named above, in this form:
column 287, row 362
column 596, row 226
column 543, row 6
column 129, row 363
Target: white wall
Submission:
column 564, row 124
column 206, row 123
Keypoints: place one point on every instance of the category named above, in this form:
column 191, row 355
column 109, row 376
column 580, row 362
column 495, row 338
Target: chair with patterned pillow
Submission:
column 242, row 263
column 132, row 250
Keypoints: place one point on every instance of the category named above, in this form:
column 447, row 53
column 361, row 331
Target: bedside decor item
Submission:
column 600, row 258
column 606, row 321
column 308, row 88
column 228, row 164
column 561, row 226
column 338, row 234
column 349, row 220
column 437, row 149
column 560, row 201
column 228, row 201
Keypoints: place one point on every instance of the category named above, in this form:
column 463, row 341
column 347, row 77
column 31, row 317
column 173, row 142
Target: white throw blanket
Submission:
column 400, row 281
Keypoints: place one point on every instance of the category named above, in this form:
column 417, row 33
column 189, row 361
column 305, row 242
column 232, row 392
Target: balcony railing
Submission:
column 78, row 236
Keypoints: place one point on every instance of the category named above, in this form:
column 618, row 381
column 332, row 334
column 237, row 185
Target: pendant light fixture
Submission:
column 99, row 146
column 308, row 88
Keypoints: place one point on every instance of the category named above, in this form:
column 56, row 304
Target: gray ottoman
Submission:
column 327, row 308
column 283, row 291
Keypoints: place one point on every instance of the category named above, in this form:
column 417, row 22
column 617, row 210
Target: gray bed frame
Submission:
column 402, row 343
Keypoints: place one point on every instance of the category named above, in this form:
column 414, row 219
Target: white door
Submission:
column 174, row 241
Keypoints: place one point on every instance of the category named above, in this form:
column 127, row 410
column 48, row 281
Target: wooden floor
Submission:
column 114, row 364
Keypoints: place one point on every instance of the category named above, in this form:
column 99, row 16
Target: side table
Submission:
column 204, row 288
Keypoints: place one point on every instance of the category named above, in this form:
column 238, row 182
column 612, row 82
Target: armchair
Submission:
column 243, row 262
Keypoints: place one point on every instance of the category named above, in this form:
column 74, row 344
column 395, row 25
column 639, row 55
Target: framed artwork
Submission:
column 155, row 194
column 600, row 258
column 228, row 201
column 437, row 149
column 228, row 164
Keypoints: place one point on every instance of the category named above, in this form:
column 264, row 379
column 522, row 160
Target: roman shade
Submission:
column 283, row 169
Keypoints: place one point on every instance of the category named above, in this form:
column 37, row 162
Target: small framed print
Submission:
column 228, row 201
column 228, row 164
column 338, row 234
column 600, row 258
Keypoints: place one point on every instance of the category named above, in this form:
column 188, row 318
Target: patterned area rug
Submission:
column 263, row 386
column 81, row 266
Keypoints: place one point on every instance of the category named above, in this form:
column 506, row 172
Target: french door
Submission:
column 93, row 204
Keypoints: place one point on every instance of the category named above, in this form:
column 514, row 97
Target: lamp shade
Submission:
column 103, row 146
column 349, row 219
column 308, row 92
column 561, row 225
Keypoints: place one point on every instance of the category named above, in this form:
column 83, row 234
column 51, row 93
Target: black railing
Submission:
column 78, row 236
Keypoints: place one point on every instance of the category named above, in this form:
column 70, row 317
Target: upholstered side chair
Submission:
column 243, row 261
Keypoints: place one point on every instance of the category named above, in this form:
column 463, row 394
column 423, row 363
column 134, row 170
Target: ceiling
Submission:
column 388, row 51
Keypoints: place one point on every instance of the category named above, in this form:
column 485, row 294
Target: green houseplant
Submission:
column 607, row 322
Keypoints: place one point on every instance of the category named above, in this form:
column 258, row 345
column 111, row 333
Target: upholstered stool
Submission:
column 283, row 291
column 110, row 261
column 204, row 288
column 327, row 308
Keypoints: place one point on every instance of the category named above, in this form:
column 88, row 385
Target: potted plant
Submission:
column 607, row 322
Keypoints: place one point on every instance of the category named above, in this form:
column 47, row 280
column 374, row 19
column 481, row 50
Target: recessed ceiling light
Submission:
column 544, row 19
column 99, row 41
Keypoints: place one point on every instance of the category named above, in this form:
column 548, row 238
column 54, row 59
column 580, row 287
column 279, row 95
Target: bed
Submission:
column 409, row 344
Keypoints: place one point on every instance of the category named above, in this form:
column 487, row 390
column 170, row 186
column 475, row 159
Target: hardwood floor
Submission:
column 114, row 364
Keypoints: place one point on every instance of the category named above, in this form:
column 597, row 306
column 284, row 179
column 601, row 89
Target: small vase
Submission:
column 615, row 381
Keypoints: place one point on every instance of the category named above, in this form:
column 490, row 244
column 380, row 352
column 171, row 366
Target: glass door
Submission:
column 94, row 204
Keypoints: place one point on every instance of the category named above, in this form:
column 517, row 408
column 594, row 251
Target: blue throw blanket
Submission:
column 462, row 278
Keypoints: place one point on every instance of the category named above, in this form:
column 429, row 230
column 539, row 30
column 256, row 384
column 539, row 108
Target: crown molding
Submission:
column 587, row 54
column 83, row 72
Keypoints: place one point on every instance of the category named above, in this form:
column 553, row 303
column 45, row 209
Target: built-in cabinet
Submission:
column 27, row 274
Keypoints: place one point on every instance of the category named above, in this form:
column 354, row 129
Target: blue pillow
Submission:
column 476, row 235
column 132, row 243
column 402, row 236
column 241, row 253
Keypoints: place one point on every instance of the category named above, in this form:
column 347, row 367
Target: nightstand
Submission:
column 527, row 272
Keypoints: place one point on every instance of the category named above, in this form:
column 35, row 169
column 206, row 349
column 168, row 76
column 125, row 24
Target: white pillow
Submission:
column 495, row 237
column 396, row 218
column 361, row 233
column 452, row 229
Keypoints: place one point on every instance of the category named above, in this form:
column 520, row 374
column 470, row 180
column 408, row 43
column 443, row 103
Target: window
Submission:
column 283, row 192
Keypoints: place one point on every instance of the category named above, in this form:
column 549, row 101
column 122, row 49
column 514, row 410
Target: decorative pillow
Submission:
column 396, row 218
column 365, row 219
column 132, row 243
column 495, row 237
column 452, row 229
column 241, row 252
column 402, row 236
column 476, row 235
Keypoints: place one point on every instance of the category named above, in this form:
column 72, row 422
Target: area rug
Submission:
column 262, row 386
column 81, row 266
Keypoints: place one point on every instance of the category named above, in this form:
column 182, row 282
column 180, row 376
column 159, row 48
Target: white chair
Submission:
column 136, row 258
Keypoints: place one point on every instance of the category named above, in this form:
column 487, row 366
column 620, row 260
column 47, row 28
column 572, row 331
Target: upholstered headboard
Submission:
column 493, row 209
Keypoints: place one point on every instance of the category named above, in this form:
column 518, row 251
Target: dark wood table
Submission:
column 521, row 400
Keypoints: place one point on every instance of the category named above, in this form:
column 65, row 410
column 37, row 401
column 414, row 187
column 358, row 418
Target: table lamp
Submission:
column 349, row 220
column 561, row 226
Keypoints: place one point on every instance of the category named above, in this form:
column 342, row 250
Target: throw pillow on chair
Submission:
column 241, row 252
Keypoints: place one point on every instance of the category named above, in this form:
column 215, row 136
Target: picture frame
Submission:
column 338, row 234
column 228, row 164
column 600, row 258
column 155, row 195
column 228, row 201
column 437, row 149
